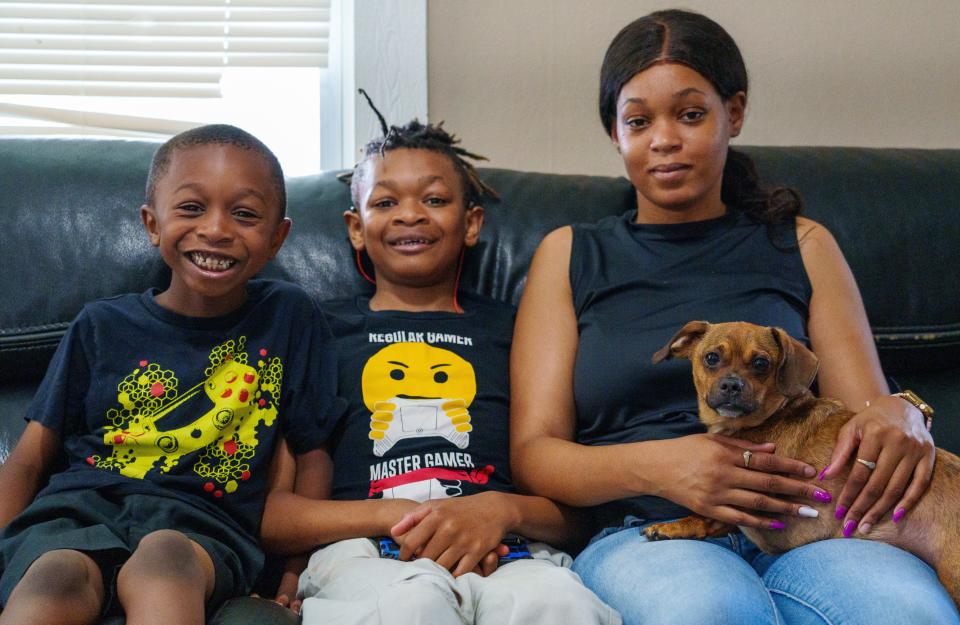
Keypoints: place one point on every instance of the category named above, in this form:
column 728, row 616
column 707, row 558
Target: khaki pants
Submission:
column 348, row 583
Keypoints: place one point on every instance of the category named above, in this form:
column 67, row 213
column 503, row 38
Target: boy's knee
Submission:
column 165, row 553
column 422, row 589
column 540, row 584
column 61, row 573
column 422, row 603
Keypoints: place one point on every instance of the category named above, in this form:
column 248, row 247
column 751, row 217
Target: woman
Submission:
column 601, row 426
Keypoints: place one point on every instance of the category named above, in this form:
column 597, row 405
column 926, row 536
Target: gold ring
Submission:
column 867, row 463
column 746, row 458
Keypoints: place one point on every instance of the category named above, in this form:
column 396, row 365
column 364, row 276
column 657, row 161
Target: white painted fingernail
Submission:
column 808, row 512
column 865, row 528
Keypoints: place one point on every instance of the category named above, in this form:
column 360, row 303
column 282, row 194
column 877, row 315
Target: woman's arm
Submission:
column 702, row 472
column 542, row 414
column 25, row 469
column 298, row 521
column 886, row 430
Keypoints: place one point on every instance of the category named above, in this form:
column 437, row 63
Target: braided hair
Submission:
column 418, row 136
column 701, row 44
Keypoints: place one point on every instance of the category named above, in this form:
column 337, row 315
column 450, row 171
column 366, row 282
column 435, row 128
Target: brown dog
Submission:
column 753, row 383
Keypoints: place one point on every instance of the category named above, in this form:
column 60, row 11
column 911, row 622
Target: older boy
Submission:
column 166, row 406
column 422, row 452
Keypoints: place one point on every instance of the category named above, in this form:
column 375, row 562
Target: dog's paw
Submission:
column 690, row 527
column 663, row 531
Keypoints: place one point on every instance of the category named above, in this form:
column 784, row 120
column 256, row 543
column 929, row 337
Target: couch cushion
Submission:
column 896, row 215
column 72, row 233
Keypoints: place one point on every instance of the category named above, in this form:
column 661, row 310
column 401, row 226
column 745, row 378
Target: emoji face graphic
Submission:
column 416, row 390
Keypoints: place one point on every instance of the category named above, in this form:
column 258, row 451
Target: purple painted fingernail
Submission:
column 822, row 473
column 777, row 525
column 821, row 495
column 898, row 515
column 840, row 513
column 848, row 528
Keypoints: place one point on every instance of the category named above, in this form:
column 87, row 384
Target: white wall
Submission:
column 517, row 80
column 378, row 46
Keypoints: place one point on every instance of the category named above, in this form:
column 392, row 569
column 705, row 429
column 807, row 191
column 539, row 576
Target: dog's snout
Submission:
column 731, row 386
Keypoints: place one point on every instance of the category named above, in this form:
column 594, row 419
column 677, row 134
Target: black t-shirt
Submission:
column 635, row 285
column 148, row 401
column 428, row 397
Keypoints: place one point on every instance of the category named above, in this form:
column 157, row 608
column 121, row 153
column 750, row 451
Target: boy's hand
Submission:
column 458, row 534
column 287, row 592
column 393, row 512
column 491, row 562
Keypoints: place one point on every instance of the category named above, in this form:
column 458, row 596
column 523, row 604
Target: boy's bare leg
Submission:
column 61, row 586
column 167, row 580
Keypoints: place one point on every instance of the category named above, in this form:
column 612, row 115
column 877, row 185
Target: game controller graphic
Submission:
column 415, row 390
column 418, row 418
column 224, row 432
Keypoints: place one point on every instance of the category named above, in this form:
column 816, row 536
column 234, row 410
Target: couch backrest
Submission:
column 72, row 233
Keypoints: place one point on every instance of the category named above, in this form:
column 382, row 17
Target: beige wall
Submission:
column 517, row 79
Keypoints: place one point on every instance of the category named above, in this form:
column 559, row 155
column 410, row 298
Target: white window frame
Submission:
column 380, row 46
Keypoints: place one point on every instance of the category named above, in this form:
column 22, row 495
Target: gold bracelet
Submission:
column 914, row 399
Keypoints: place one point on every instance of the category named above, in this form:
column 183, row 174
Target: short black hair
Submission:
column 419, row 136
column 215, row 134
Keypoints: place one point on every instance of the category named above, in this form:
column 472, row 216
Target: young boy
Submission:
column 165, row 407
column 422, row 452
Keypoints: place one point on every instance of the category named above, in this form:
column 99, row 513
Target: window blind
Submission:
column 148, row 48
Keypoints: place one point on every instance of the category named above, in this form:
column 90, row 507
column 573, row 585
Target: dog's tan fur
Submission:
column 778, row 407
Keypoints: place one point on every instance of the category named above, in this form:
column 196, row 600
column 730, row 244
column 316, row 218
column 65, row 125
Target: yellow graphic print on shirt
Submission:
column 416, row 390
column 242, row 399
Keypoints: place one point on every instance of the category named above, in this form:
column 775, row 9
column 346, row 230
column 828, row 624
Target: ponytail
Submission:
column 741, row 190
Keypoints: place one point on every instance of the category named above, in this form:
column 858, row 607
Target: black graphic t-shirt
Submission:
column 428, row 397
column 149, row 401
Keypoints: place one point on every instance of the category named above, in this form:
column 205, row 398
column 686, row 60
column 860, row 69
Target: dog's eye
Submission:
column 760, row 365
column 711, row 359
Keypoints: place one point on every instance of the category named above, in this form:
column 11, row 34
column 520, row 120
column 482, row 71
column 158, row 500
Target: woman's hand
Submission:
column 707, row 474
column 891, row 433
column 461, row 534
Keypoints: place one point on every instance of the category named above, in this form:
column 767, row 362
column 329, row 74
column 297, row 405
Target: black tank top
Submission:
column 634, row 286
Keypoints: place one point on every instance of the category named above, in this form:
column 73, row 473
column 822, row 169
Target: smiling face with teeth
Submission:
column 413, row 222
column 216, row 219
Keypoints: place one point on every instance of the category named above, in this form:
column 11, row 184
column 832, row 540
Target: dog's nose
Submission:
column 731, row 387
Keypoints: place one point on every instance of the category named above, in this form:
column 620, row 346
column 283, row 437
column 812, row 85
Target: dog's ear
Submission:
column 798, row 365
column 682, row 342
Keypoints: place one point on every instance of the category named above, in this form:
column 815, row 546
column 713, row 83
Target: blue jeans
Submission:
column 729, row 580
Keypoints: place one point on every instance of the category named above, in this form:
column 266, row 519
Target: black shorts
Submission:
column 108, row 526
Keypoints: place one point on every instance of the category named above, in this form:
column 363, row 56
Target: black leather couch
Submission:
column 72, row 233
